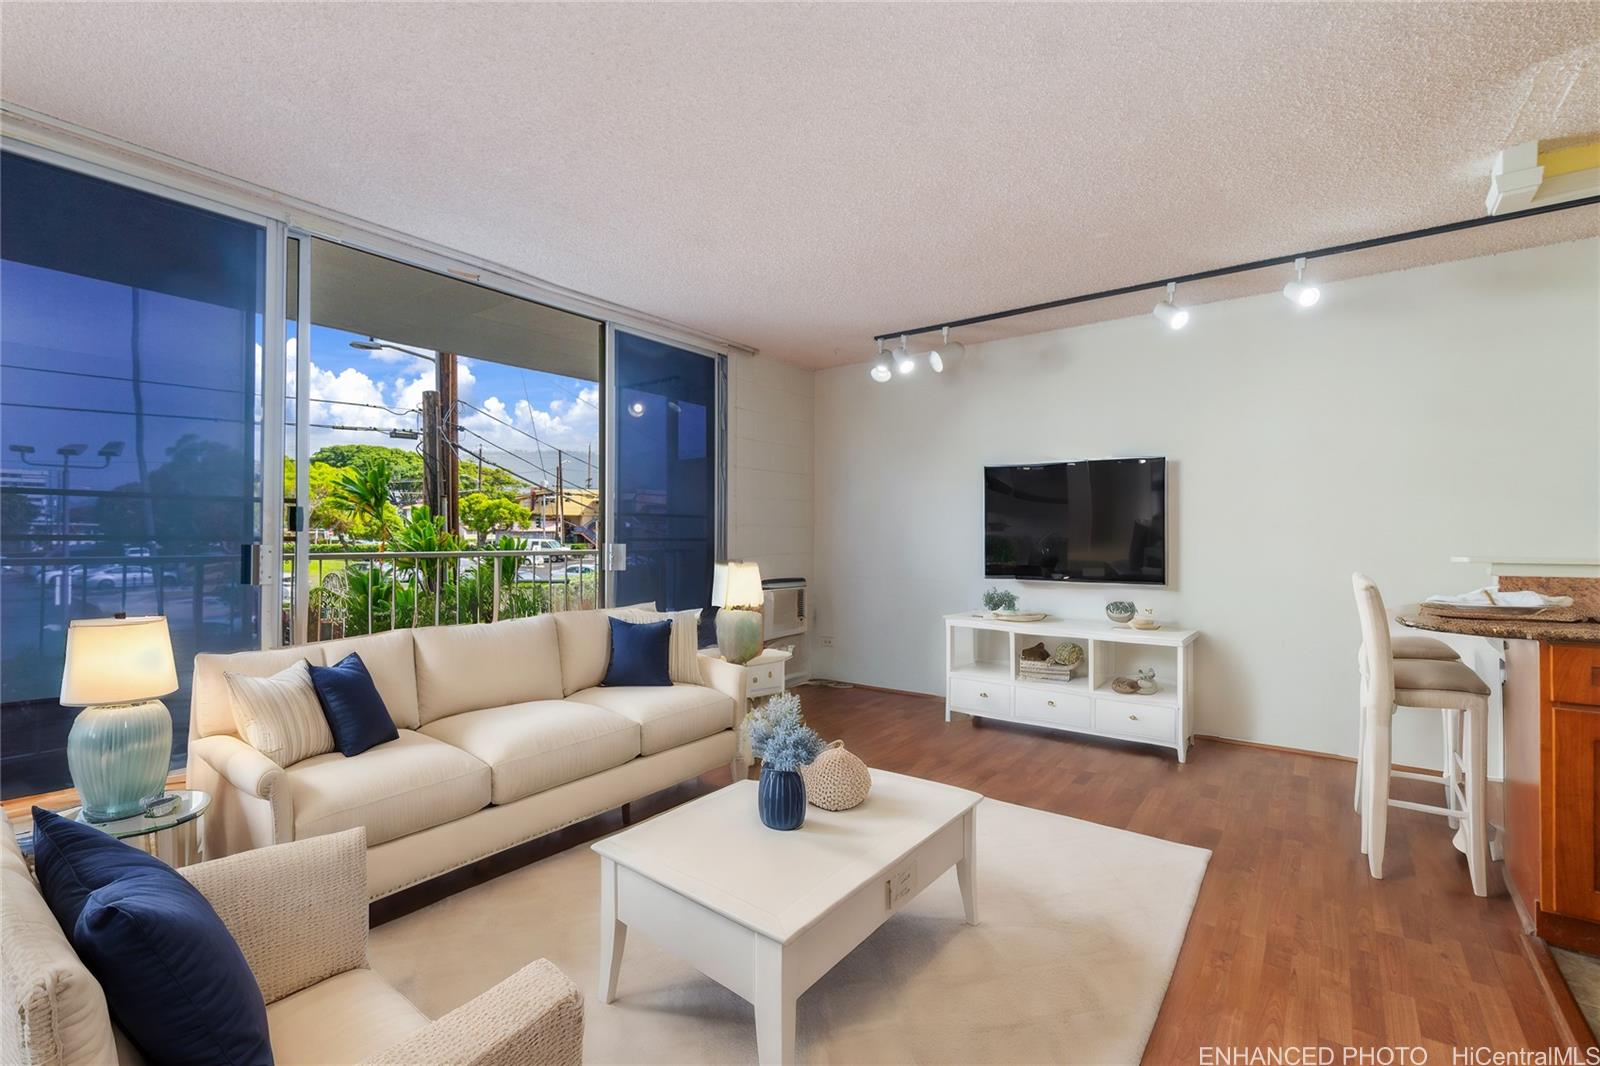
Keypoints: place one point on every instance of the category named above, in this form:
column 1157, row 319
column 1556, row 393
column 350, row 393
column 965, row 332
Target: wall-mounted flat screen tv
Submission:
column 1092, row 520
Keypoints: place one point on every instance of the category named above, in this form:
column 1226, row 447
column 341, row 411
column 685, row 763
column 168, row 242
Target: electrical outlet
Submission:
column 827, row 642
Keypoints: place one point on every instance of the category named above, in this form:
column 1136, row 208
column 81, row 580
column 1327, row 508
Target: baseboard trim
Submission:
column 1569, row 1019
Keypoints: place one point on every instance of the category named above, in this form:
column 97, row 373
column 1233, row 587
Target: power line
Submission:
column 518, row 429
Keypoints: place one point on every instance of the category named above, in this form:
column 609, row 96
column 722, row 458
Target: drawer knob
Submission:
column 1049, row 703
column 1133, row 718
column 983, row 695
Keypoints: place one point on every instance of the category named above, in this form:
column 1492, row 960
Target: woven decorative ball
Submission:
column 836, row 780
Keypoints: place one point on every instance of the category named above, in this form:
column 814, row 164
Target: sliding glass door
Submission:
column 666, row 414
column 131, row 333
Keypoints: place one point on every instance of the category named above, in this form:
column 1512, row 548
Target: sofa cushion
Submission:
column 347, row 1018
column 467, row 668
column 667, row 717
column 280, row 716
column 352, row 705
column 641, row 654
column 173, row 977
column 411, row 783
column 585, row 644
column 54, row 1008
column 531, row 747
column 391, row 660
column 211, row 705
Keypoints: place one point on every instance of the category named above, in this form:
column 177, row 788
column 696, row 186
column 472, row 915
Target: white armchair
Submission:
column 299, row 914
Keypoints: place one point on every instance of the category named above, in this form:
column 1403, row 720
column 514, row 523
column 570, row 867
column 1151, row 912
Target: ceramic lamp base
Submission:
column 738, row 634
column 118, row 754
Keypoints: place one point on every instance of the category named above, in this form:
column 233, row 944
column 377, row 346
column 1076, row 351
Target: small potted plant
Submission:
column 998, row 602
column 783, row 742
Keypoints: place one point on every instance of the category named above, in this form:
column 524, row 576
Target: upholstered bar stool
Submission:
column 1407, row 647
column 1440, row 684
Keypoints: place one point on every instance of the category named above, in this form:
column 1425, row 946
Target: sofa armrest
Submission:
column 251, row 801
column 533, row 1016
column 727, row 679
column 298, row 910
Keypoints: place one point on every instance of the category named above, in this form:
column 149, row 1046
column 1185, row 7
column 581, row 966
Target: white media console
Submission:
column 981, row 678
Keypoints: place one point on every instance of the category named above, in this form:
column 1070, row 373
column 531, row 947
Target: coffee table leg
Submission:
column 774, row 1002
column 613, row 934
column 967, row 867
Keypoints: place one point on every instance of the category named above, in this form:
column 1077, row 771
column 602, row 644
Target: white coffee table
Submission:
column 766, row 913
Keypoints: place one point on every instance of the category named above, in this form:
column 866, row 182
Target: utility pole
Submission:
column 450, row 439
column 480, row 468
column 561, row 505
column 431, row 473
column 588, row 466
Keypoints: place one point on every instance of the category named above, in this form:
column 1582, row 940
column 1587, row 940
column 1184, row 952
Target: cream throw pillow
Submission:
column 683, row 657
column 280, row 716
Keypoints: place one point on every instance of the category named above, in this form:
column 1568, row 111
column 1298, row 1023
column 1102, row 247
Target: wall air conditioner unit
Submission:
column 784, row 607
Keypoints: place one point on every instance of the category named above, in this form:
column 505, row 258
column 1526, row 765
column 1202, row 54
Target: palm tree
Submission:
column 364, row 492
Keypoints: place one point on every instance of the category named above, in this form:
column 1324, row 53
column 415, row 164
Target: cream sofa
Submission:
column 299, row 914
column 505, row 734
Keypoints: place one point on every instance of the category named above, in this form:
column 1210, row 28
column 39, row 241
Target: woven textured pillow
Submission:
column 683, row 663
column 280, row 716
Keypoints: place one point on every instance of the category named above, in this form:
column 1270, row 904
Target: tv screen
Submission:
column 1099, row 520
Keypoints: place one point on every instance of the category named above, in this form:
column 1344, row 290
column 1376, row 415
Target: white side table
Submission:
column 763, row 677
column 174, row 837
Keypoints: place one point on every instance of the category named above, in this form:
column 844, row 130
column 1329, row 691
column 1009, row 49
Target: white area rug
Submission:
column 1079, row 931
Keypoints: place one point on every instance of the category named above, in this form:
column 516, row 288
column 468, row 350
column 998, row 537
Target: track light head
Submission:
column 902, row 358
column 1298, row 292
column 946, row 354
column 1169, row 313
column 882, row 368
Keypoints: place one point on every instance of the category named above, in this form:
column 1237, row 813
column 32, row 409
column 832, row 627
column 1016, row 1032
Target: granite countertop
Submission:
column 1504, row 628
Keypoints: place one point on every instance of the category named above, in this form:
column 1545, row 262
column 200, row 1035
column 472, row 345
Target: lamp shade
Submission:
column 117, row 660
column 737, row 586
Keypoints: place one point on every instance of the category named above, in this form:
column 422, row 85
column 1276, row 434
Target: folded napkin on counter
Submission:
column 1492, row 597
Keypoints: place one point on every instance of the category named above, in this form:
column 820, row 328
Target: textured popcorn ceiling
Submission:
column 799, row 178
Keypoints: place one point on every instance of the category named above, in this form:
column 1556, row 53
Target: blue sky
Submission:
column 354, row 387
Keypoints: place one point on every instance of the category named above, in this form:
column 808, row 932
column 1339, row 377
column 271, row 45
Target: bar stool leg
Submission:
column 1361, row 761
column 1452, row 747
column 1477, row 760
column 1376, row 815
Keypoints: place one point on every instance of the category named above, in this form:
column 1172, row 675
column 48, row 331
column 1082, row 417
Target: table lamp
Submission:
column 121, row 743
column 736, row 591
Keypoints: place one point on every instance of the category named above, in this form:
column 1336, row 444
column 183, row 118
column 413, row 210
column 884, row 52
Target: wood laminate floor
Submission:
column 1291, row 942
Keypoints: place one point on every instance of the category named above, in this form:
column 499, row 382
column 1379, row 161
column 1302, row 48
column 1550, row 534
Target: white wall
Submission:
column 769, row 465
column 1446, row 410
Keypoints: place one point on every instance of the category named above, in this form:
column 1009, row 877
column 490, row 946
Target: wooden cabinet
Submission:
column 1552, row 797
column 1572, row 703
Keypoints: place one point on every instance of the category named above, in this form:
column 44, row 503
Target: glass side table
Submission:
column 173, row 837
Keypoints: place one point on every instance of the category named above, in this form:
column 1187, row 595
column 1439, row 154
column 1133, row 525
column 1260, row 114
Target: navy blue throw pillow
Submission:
column 640, row 653
column 71, row 860
column 174, row 979
column 350, row 702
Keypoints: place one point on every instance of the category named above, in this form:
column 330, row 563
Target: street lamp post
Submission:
column 68, row 452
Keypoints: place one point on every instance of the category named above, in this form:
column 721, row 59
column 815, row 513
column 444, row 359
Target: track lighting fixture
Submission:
column 1173, row 316
column 902, row 358
column 1301, row 294
column 946, row 354
column 882, row 370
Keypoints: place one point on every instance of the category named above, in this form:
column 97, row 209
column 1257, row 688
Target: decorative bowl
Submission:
column 1121, row 611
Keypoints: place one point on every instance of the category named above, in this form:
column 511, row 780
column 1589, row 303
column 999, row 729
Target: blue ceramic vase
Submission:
column 782, row 798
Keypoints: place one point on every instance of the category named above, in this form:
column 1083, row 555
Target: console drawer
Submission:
column 981, row 697
column 1064, row 708
column 764, row 680
column 1128, row 719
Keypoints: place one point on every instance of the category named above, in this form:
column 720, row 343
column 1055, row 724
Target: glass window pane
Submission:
column 130, row 327
column 666, row 470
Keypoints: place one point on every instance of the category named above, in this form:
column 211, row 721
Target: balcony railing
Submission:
column 358, row 592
